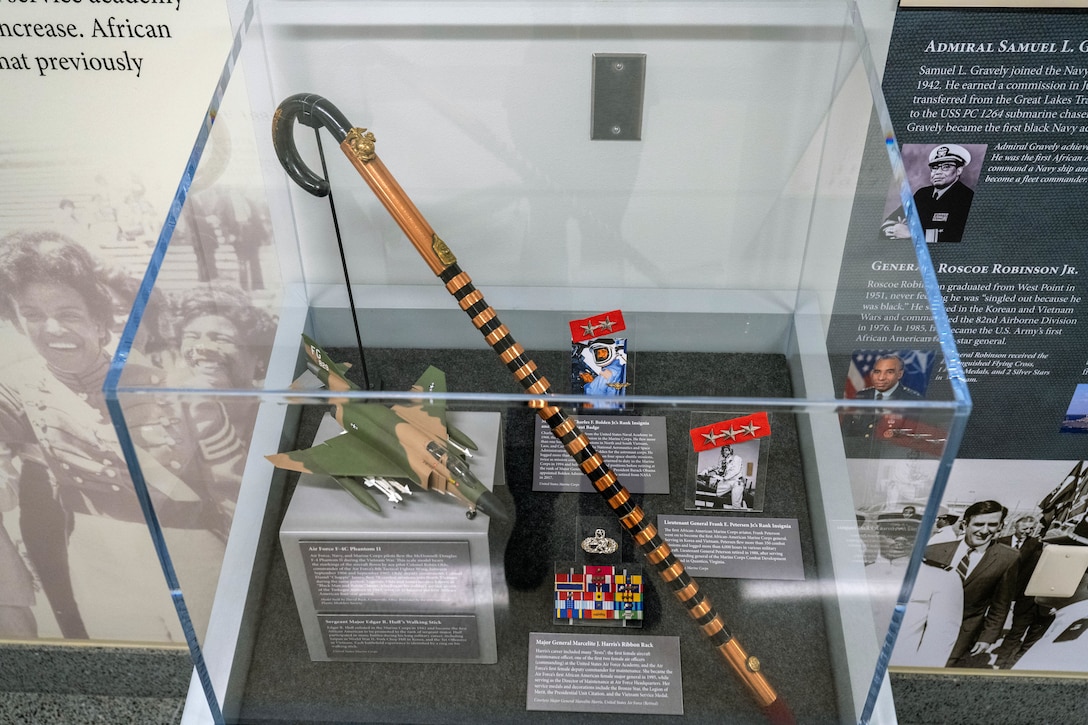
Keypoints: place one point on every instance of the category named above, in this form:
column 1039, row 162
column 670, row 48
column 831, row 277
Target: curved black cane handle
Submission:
column 314, row 111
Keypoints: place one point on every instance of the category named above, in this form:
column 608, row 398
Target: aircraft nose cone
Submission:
column 490, row 504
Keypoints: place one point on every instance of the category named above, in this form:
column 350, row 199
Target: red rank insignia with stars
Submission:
column 726, row 432
column 606, row 323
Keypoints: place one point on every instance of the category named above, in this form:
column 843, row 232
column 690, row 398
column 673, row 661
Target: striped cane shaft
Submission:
column 631, row 516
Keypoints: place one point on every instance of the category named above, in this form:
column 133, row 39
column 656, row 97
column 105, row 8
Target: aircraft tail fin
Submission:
column 332, row 374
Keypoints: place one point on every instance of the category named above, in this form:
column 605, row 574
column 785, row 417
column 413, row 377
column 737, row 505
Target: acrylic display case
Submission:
column 697, row 165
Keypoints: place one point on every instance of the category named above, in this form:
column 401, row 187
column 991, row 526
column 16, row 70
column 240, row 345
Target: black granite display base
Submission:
column 947, row 698
column 50, row 684
column 54, row 684
column 75, row 668
column 786, row 631
column 35, row 708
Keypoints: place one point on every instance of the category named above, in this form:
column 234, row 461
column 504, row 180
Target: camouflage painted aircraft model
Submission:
column 383, row 444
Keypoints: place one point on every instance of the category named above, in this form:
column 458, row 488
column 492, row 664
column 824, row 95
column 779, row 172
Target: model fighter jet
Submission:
column 379, row 445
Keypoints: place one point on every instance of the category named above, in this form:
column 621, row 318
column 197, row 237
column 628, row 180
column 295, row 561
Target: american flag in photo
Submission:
column 917, row 368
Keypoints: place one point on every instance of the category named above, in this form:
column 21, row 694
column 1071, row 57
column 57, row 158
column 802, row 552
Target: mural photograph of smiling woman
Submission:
column 74, row 522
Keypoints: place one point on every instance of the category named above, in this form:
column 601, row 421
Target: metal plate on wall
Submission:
column 619, row 80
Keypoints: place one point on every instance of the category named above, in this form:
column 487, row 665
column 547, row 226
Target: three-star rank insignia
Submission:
column 728, row 432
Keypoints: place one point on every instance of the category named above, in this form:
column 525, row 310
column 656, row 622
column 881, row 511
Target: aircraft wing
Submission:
column 343, row 455
column 427, row 414
column 430, row 415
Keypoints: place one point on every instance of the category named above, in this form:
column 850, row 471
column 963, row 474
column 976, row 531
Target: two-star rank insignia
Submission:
column 605, row 323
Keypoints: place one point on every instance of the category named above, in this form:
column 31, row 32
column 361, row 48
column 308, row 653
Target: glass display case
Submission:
column 695, row 166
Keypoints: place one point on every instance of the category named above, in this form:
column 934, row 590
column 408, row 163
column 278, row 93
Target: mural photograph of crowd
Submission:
column 76, row 558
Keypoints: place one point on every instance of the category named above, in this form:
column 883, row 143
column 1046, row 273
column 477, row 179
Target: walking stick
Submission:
column 358, row 145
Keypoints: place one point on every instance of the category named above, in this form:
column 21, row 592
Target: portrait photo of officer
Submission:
column 727, row 477
column 889, row 375
column 943, row 177
column 886, row 379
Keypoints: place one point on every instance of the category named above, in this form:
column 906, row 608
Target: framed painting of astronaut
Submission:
column 728, row 463
column 599, row 367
